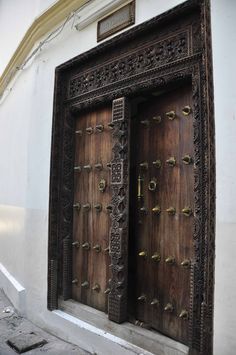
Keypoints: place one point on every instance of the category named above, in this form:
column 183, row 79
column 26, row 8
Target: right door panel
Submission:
column 162, row 209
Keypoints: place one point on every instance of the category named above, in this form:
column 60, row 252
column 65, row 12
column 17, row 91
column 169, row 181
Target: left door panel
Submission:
column 91, row 220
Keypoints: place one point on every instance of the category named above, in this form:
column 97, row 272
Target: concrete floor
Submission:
column 12, row 324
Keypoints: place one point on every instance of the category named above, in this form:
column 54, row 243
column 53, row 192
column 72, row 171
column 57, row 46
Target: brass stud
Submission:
column 106, row 250
column 171, row 161
column 187, row 211
column 111, row 125
column 170, row 260
column 183, row 314
column 86, row 207
column 142, row 298
column 152, row 185
column 77, row 169
column 144, row 165
column 171, row 210
column 169, row 308
column 102, row 185
column 98, row 166
column 186, row 110
column 145, row 123
column 98, row 207
column 85, row 284
column 75, row 244
column 107, row 291
column 156, row 210
column 96, row 288
column 75, row 281
column 89, row 130
column 186, row 263
column 143, row 254
column 157, row 119
column 155, row 302
column 156, row 257
column 77, row 206
column 143, row 210
column 86, row 246
column 157, row 163
column 171, row 115
column 99, row 128
column 97, row 248
column 79, row 132
column 187, row 159
column 109, row 208
column 88, row 168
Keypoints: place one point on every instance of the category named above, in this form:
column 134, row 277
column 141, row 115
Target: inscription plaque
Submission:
column 119, row 19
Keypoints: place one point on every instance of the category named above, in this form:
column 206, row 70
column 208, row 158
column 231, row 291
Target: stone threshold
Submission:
column 150, row 341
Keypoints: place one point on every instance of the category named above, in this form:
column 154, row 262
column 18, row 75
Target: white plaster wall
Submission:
column 25, row 140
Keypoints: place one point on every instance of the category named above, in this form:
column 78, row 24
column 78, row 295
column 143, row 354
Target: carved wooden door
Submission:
column 91, row 221
column 162, row 211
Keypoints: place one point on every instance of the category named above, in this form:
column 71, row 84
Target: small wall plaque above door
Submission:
column 116, row 21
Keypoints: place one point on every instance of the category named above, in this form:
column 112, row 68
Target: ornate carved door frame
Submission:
column 169, row 49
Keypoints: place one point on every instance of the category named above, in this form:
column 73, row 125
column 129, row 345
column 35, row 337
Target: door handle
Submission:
column 140, row 187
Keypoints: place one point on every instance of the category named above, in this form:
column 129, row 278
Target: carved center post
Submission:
column 117, row 304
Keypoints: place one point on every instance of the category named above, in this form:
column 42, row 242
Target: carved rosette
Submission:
column 117, row 303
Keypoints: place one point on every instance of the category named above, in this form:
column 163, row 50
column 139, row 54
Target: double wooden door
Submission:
column 161, row 211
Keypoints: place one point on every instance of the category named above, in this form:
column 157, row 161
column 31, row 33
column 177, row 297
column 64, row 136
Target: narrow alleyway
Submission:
column 28, row 338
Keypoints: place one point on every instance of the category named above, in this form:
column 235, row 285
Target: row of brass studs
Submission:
column 186, row 211
column 171, row 115
column 87, row 246
column 98, row 128
column 186, row 159
column 88, row 168
column 87, row 207
column 96, row 287
column 167, row 308
column 186, row 263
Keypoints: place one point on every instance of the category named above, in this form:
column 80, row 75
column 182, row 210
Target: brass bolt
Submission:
column 99, row 128
column 157, row 163
column 156, row 257
column 77, row 169
column 169, row 308
column 171, row 210
column 142, row 298
column 157, row 119
column 183, row 314
column 187, row 159
column 171, row 161
column 171, row 115
column 170, row 260
column 143, row 254
column 156, row 210
column 155, row 302
column 86, row 246
column 96, row 288
column 186, row 263
column 145, row 123
column 97, row 248
column 98, row 207
column 186, row 110
column 89, row 130
column 85, row 284
column 75, row 244
column 187, row 211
